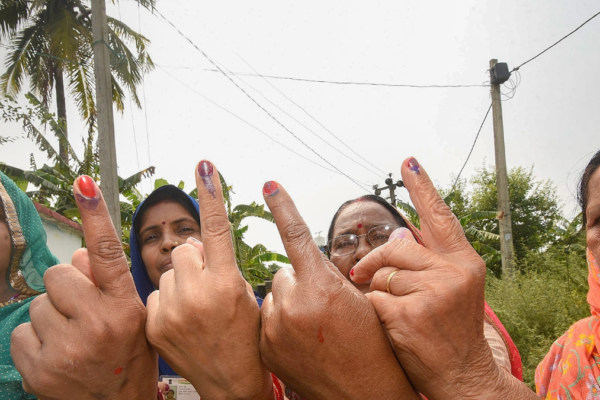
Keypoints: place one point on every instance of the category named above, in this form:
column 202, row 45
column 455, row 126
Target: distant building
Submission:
column 64, row 235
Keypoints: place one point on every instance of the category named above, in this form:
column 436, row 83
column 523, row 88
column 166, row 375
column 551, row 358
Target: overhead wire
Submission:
column 472, row 147
column 557, row 42
column 313, row 118
column 245, row 121
column 306, row 127
column 256, row 102
column 144, row 95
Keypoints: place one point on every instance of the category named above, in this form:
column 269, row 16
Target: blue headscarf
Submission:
column 141, row 278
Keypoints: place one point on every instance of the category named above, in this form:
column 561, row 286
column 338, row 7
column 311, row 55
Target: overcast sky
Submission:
column 551, row 123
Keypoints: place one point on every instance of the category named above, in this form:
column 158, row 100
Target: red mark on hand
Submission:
column 118, row 370
column 359, row 226
column 320, row 337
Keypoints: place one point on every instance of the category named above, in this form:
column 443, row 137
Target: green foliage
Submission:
column 539, row 305
column 54, row 183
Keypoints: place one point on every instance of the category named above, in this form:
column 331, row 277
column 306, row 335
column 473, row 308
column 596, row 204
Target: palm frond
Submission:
column 481, row 235
column 128, row 183
column 13, row 14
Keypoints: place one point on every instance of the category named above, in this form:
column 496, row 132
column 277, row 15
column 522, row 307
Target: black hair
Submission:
column 166, row 193
column 368, row 197
column 582, row 194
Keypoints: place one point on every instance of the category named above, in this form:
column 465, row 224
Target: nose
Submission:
column 170, row 241
column 363, row 248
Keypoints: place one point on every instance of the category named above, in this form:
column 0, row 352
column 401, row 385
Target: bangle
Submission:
column 277, row 390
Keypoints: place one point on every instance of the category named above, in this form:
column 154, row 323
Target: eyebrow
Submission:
column 177, row 221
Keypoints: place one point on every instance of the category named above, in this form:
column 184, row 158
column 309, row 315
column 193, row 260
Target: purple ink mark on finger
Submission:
column 86, row 202
column 413, row 165
column 205, row 169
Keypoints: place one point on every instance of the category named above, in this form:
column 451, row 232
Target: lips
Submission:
column 166, row 265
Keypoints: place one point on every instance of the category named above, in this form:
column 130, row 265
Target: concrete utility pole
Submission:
column 106, row 129
column 391, row 186
column 506, row 238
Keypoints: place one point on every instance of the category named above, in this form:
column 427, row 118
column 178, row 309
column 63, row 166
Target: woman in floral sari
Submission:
column 571, row 369
column 24, row 257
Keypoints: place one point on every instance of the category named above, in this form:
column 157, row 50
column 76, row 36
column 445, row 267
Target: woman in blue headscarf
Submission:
column 166, row 219
column 24, row 257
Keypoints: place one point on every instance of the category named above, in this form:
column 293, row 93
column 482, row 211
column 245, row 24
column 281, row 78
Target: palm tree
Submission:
column 54, row 183
column 50, row 43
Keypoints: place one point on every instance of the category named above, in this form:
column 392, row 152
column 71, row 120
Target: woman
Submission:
column 24, row 257
column 375, row 219
column 166, row 219
column 570, row 370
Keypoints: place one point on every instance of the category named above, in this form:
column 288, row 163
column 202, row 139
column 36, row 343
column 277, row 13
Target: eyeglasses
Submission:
column 344, row 245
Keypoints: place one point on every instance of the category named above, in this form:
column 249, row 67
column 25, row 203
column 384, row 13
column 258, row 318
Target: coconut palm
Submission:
column 50, row 45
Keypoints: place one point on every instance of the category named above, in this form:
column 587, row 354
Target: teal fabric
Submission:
column 35, row 260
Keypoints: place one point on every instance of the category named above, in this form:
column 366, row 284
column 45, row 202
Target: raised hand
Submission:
column 204, row 321
column 320, row 334
column 433, row 304
column 87, row 339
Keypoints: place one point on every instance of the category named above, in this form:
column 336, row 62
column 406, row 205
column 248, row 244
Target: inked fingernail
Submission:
column 167, row 387
column 352, row 272
column 88, row 195
column 205, row 169
column 271, row 188
column 400, row 233
column 413, row 165
column 87, row 187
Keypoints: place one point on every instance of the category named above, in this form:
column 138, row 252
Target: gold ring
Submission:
column 389, row 279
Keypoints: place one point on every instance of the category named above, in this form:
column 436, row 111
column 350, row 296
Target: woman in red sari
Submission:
column 373, row 219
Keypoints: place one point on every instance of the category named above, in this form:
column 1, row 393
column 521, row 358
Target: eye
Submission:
column 186, row 230
column 150, row 238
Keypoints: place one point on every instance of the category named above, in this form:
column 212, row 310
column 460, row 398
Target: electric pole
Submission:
column 499, row 74
column 391, row 186
column 109, row 180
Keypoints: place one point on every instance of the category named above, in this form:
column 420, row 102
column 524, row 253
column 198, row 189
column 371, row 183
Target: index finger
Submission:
column 301, row 249
column 106, row 257
column 440, row 228
column 214, row 223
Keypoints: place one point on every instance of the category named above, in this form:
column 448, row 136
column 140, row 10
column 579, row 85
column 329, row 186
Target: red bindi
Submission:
column 164, row 222
column 359, row 226
column 118, row 370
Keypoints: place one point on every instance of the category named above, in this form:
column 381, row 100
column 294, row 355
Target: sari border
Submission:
column 19, row 244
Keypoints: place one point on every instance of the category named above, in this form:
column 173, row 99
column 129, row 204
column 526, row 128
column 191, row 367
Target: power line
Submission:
column 144, row 94
column 563, row 38
column 257, row 103
column 313, row 118
column 289, row 78
column 244, row 121
column 472, row 147
column 307, row 128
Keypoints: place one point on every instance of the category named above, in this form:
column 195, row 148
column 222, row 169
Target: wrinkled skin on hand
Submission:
column 434, row 314
column 205, row 321
column 87, row 339
column 320, row 335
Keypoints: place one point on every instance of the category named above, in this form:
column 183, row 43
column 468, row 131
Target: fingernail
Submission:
column 413, row 165
column 167, row 387
column 400, row 233
column 205, row 169
column 195, row 240
column 271, row 188
column 86, row 186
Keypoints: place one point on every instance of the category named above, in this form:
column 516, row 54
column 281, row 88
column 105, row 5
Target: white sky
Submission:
column 551, row 123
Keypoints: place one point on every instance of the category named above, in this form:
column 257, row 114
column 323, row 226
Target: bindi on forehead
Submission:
column 164, row 222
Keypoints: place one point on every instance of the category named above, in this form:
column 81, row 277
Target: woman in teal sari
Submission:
column 24, row 257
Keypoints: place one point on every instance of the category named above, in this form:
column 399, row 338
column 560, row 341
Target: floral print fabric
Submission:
column 571, row 371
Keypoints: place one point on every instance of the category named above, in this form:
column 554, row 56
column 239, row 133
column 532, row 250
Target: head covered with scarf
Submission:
column 29, row 259
column 143, row 283
column 571, row 369
column 401, row 220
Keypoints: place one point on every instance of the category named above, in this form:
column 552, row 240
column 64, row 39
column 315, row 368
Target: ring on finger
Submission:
column 389, row 279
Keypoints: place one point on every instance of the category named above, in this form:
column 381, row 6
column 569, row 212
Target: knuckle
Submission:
column 107, row 249
column 296, row 233
column 215, row 226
